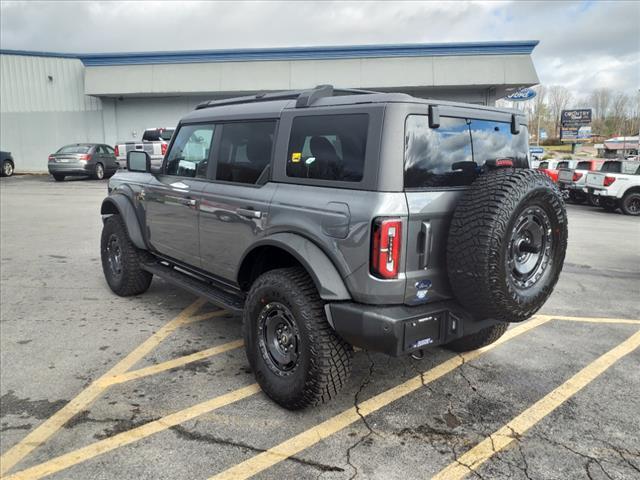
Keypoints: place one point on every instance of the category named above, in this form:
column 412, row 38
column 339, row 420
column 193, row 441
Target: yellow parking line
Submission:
column 168, row 365
column 88, row 395
column 310, row 437
column 206, row 316
column 518, row 426
column 90, row 451
column 596, row 320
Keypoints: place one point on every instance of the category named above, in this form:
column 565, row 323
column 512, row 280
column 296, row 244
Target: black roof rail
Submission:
column 304, row 98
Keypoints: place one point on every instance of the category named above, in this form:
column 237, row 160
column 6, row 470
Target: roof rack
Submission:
column 304, row 98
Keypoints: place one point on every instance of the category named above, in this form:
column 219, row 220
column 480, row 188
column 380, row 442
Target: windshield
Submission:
column 75, row 149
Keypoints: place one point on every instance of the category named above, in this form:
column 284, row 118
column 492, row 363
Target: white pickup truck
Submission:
column 617, row 185
column 154, row 141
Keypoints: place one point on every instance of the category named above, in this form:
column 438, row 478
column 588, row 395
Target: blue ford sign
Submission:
column 521, row 95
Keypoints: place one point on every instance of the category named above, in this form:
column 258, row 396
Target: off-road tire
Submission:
column 480, row 339
column 629, row 202
column 58, row 178
column 483, row 239
column 132, row 280
column 323, row 359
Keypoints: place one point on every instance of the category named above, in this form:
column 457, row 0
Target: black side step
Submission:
column 216, row 295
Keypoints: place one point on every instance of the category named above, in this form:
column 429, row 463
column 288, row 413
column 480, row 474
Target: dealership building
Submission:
column 51, row 99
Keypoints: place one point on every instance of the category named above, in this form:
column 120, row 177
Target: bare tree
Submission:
column 559, row 99
column 600, row 101
column 619, row 112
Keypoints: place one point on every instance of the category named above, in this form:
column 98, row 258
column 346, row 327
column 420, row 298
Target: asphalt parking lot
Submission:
column 157, row 386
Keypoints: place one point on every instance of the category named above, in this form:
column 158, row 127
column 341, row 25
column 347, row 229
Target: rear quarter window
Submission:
column 611, row 167
column 328, row 147
column 583, row 166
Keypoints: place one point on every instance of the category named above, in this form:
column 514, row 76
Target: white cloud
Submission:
column 583, row 44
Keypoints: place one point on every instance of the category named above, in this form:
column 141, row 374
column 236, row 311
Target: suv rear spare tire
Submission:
column 507, row 243
column 294, row 353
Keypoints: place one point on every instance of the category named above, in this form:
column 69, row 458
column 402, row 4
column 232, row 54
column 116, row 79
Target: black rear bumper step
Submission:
column 215, row 294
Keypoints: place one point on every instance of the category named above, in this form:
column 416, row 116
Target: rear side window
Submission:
column 543, row 165
column 189, row 155
column 75, row 149
column 630, row 168
column 328, row 147
column 245, row 151
column 450, row 156
column 563, row 165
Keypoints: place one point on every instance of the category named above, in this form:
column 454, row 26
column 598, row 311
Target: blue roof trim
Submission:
column 31, row 53
column 296, row 53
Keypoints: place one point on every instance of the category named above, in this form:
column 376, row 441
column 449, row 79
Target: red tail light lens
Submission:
column 386, row 238
column 84, row 157
column 163, row 148
column 52, row 158
column 504, row 162
column 609, row 180
column 576, row 176
column 117, row 151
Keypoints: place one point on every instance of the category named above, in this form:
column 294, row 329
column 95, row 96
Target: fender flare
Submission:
column 120, row 204
column 317, row 264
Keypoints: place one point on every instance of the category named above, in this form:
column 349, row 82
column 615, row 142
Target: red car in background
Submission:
column 551, row 167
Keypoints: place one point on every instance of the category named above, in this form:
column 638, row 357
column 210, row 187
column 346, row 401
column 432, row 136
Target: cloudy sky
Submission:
column 583, row 44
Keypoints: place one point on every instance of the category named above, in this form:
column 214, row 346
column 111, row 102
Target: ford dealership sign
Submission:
column 522, row 95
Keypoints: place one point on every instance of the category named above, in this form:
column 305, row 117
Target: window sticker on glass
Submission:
column 295, row 157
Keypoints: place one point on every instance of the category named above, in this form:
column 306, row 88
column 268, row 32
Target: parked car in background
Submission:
column 95, row 160
column 8, row 164
column 572, row 181
column 154, row 141
column 617, row 185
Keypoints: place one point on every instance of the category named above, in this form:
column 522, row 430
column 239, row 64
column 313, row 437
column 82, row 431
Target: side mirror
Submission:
column 138, row 161
column 434, row 116
column 515, row 127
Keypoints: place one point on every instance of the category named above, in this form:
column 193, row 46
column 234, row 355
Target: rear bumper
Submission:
column 399, row 329
column 71, row 169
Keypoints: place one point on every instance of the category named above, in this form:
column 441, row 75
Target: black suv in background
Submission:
column 334, row 219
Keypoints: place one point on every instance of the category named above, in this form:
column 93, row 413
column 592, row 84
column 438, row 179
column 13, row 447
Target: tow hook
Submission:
column 417, row 355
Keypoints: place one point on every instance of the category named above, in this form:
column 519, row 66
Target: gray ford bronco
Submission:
column 339, row 218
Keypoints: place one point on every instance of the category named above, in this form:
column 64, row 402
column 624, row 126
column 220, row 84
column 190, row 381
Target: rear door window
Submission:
column 494, row 140
column 245, row 151
column 437, row 157
column 452, row 154
column 563, row 165
column 328, row 147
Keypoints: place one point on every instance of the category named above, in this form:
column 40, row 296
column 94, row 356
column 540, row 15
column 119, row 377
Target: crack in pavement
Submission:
column 356, row 404
column 187, row 434
column 590, row 460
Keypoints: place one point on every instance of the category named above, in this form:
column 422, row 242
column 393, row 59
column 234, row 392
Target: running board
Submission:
column 216, row 295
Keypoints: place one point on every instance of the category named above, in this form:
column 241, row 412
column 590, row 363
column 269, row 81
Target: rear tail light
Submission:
column 609, row 180
column 163, row 148
column 85, row 157
column 576, row 176
column 386, row 238
column 117, row 151
column 52, row 158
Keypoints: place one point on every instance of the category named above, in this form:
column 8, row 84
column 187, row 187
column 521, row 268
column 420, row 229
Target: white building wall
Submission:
column 38, row 114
